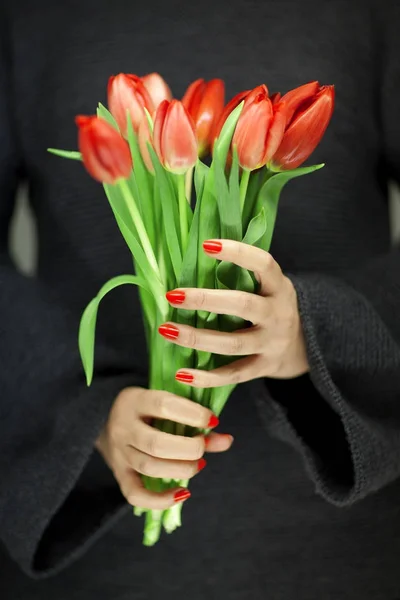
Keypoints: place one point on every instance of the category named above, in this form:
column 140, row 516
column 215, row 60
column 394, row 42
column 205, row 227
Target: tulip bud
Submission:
column 204, row 103
column 157, row 88
column 105, row 153
column 308, row 123
column 127, row 93
column 174, row 137
column 259, row 130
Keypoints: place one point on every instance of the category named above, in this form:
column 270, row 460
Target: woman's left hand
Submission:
column 272, row 347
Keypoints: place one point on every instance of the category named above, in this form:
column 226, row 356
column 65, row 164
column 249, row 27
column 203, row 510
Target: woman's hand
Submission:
column 273, row 347
column 130, row 446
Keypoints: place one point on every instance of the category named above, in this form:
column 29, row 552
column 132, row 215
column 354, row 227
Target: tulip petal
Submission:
column 306, row 131
column 276, row 131
column 105, row 153
column 252, row 129
column 192, row 97
column 295, row 98
column 178, row 139
column 158, row 127
column 208, row 112
column 157, row 88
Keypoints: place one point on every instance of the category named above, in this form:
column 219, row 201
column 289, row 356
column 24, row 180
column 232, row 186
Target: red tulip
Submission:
column 157, row 88
column 205, row 103
column 174, row 137
column 310, row 118
column 259, row 130
column 128, row 93
column 105, row 153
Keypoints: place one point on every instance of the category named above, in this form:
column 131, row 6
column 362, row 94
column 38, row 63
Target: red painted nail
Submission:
column 213, row 422
column 206, row 441
column 176, row 297
column 212, row 247
column 201, row 464
column 181, row 495
column 184, row 377
column 169, row 331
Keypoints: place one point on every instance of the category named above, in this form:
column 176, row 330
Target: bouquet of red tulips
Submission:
column 146, row 150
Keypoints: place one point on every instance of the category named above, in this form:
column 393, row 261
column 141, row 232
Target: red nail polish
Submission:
column 169, row 331
column 206, row 441
column 176, row 297
column 201, row 464
column 184, row 377
column 213, row 422
column 212, row 247
column 181, row 495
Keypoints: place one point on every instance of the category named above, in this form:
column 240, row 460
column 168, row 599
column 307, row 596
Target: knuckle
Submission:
column 161, row 405
column 201, row 298
column 197, row 448
column 192, row 338
column 152, row 445
column 268, row 262
column 236, row 344
column 246, row 302
column 234, row 374
column 144, row 466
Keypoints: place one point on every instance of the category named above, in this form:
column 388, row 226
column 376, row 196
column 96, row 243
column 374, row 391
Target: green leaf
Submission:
column 170, row 212
column 256, row 229
column 234, row 186
column 71, row 154
column 142, row 185
column 87, row 329
column 228, row 206
column 269, row 197
column 250, row 205
column 105, row 114
column 222, row 144
column 128, row 231
column 200, row 174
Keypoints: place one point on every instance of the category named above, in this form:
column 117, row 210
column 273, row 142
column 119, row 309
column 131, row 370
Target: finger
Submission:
column 169, row 407
column 157, row 443
column 218, row 442
column 133, row 489
column 158, row 467
column 249, row 257
column 244, row 369
column 250, row 307
column 241, row 342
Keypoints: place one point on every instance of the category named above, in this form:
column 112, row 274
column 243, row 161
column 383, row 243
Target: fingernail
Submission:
column 230, row 437
column 212, row 247
column 176, row 297
column 201, row 464
column 181, row 495
column 213, row 422
column 184, row 377
column 169, row 331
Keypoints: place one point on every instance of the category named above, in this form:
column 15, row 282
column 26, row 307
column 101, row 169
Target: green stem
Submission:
column 183, row 211
column 244, row 182
column 189, row 184
column 140, row 228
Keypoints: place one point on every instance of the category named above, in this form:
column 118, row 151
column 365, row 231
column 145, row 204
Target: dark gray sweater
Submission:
column 306, row 505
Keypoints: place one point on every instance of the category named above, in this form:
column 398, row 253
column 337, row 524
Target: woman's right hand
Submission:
column 131, row 446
